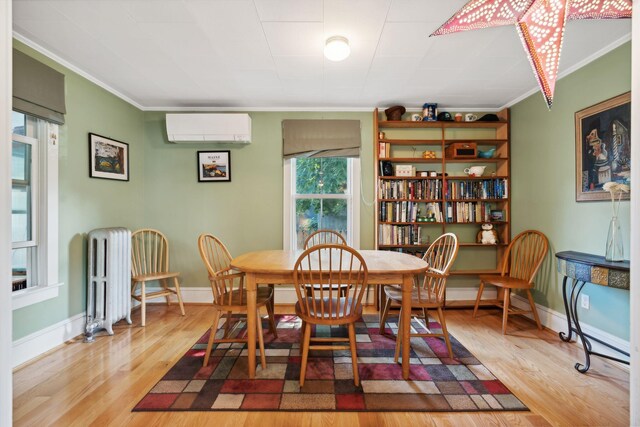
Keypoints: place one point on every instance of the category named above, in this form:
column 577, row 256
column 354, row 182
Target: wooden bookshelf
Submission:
column 403, row 143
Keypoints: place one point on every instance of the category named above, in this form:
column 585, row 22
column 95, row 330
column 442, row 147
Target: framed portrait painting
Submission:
column 108, row 158
column 214, row 166
column 603, row 147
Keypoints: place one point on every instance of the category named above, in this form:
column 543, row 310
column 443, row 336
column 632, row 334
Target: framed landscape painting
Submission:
column 603, row 147
column 214, row 166
column 108, row 158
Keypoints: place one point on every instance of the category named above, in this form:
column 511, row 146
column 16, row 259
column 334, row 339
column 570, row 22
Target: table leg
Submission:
column 566, row 337
column 407, row 287
column 585, row 342
column 251, row 287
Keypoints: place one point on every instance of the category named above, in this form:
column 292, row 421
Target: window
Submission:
column 34, row 209
column 321, row 193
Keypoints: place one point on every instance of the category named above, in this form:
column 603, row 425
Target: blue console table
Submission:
column 586, row 268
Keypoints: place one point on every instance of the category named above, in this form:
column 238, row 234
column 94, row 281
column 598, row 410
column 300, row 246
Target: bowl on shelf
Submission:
column 486, row 154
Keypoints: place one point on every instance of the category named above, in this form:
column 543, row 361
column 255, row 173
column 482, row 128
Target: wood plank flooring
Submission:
column 97, row 384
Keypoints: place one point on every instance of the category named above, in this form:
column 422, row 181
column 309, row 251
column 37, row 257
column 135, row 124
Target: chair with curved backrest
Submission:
column 330, row 265
column 431, row 293
column 522, row 260
column 229, row 295
column 150, row 262
column 324, row 237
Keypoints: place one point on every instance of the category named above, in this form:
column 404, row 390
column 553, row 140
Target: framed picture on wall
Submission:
column 214, row 166
column 108, row 158
column 603, row 147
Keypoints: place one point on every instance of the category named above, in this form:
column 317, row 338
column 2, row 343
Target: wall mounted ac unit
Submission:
column 209, row 127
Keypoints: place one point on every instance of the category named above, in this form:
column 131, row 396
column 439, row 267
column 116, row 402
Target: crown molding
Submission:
column 573, row 68
column 139, row 106
column 75, row 69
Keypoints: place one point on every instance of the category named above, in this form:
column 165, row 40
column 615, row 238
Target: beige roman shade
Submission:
column 38, row 90
column 321, row 138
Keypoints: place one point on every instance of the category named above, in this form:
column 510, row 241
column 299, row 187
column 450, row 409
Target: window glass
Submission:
column 21, row 230
column 322, row 196
column 18, row 123
column 321, row 175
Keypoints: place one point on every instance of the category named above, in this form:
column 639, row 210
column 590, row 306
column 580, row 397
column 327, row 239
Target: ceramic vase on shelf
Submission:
column 614, row 250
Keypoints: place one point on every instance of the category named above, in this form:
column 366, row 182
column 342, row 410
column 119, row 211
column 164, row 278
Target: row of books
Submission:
column 410, row 189
column 399, row 234
column 384, row 150
column 462, row 212
column 476, row 189
column 398, row 211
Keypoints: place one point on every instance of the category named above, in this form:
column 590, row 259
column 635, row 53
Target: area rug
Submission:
column 437, row 382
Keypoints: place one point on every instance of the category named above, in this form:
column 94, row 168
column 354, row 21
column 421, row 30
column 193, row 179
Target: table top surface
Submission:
column 282, row 262
column 590, row 259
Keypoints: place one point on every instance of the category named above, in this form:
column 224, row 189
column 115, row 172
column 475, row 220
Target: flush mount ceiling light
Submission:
column 337, row 48
column 540, row 24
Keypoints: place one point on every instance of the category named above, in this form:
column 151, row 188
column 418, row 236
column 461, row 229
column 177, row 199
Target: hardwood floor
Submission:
column 97, row 384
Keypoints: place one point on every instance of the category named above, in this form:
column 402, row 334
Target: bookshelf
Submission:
column 432, row 196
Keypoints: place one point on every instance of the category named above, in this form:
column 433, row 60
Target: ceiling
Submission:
column 268, row 54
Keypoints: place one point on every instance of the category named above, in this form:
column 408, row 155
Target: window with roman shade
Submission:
column 38, row 90
column 321, row 138
column 321, row 179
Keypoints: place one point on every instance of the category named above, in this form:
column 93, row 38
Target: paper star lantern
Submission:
column 540, row 24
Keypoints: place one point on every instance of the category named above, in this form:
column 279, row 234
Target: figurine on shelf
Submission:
column 488, row 235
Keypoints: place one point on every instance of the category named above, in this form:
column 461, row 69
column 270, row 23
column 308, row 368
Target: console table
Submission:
column 586, row 268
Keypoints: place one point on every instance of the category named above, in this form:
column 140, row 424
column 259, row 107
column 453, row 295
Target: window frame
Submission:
column 352, row 196
column 45, row 212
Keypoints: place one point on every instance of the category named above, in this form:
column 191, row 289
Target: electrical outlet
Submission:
column 584, row 302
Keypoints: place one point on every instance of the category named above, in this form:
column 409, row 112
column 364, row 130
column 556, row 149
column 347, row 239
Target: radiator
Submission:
column 108, row 279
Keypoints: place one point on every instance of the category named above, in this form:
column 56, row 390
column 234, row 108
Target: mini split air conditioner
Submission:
column 225, row 128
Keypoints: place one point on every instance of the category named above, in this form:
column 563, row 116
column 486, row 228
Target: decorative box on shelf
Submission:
column 461, row 150
column 405, row 170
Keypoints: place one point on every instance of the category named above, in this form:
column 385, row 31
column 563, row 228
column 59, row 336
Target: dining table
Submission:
column 276, row 267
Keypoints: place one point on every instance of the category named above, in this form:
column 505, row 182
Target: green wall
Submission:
column 86, row 203
column 245, row 213
column 543, row 184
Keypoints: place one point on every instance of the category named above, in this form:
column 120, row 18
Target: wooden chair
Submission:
column 150, row 262
column 229, row 295
column 431, row 294
column 522, row 260
column 330, row 265
column 324, row 237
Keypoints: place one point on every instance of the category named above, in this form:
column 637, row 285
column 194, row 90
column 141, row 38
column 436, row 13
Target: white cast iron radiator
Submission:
column 108, row 279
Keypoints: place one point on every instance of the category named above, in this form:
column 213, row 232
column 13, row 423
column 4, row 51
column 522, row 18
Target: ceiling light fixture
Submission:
column 540, row 24
column 337, row 48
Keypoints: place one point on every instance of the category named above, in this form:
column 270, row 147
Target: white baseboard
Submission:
column 37, row 343
column 40, row 342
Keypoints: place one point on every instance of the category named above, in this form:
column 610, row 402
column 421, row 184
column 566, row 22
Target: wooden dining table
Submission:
column 276, row 267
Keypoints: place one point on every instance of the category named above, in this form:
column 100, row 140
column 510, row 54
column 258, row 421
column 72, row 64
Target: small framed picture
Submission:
column 214, row 166
column 108, row 158
column 497, row 215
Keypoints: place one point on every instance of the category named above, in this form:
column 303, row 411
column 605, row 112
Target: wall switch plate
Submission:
column 584, row 302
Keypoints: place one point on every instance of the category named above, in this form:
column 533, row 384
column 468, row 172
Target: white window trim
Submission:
column 47, row 221
column 288, row 208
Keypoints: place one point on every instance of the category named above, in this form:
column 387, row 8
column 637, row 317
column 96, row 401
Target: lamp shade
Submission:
column 337, row 48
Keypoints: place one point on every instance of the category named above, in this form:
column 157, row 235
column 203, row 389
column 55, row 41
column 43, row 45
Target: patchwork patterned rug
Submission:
column 437, row 382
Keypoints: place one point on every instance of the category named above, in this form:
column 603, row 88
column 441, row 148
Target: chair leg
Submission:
column 384, row 314
column 178, row 294
column 475, row 307
column 396, row 355
column 263, row 357
column 425, row 314
column 354, row 355
column 272, row 319
column 533, row 309
column 143, row 303
column 305, row 352
column 505, row 310
column 443, row 323
column 212, row 335
column 227, row 324
column 167, row 297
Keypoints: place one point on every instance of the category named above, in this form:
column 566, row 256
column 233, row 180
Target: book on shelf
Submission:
column 384, row 150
